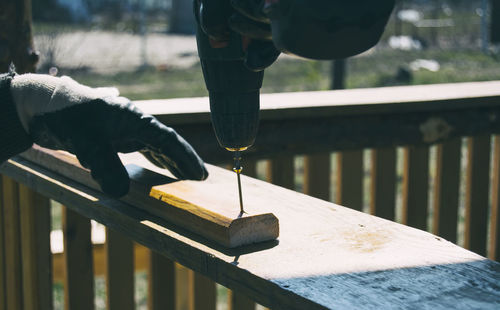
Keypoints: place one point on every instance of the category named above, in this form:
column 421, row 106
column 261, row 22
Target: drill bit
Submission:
column 237, row 168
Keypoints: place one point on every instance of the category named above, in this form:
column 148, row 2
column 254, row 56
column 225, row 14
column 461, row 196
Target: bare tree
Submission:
column 16, row 38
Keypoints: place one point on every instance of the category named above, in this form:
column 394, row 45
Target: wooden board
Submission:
column 12, row 245
column 209, row 208
column 35, row 248
column 327, row 121
column 328, row 256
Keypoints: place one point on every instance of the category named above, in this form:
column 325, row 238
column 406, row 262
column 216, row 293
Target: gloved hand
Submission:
column 95, row 124
column 245, row 17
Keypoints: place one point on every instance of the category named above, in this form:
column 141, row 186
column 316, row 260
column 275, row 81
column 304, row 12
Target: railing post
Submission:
column 238, row 301
column 383, row 183
column 12, row 243
column 204, row 292
column 317, row 170
column 78, row 262
column 350, row 179
column 281, row 172
column 250, row 168
column 416, row 186
column 119, row 271
column 446, row 191
column 2, row 250
column 476, row 196
column 36, row 254
column 495, row 204
column 161, row 283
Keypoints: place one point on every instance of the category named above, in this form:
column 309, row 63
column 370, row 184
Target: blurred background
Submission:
column 147, row 48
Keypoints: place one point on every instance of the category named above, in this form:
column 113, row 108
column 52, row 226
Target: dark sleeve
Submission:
column 13, row 137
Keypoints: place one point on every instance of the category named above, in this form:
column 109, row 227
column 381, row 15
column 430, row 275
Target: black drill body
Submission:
column 315, row 29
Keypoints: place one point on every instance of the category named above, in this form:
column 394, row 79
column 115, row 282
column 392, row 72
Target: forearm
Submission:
column 13, row 137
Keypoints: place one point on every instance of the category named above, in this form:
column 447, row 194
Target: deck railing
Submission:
column 426, row 156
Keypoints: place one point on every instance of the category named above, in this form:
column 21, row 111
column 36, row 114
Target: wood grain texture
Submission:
column 209, row 208
column 383, row 183
column 2, row 250
column 183, row 288
column 119, row 260
column 79, row 275
column 318, row 122
column 250, row 168
column 416, row 186
column 476, row 195
column 446, row 191
column 327, row 257
column 433, row 97
column 281, row 172
column 317, row 171
column 494, row 246
column 12, row 244
column 204, row 292
column 350, row 179
column 161, row 283
column 238, row 301
column 36, row 255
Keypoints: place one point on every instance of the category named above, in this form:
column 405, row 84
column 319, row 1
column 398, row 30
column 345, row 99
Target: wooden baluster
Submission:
column 12, row 245
column 317, row 170
column 238, row 301
column 416, row 186
column 250, row 168
column 446, row 192
column 494, row 247
column 79, row 276
column 161, row 283
column 476, row 195
column 2, row 250
column 204, row 292
column 383, row 183
column 281, row 171
column 184, row 298
column 36, row 254
column 119, row 260
column 350, row 179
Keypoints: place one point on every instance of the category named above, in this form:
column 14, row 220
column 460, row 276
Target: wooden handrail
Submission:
column 326, row 121
column 327, row 256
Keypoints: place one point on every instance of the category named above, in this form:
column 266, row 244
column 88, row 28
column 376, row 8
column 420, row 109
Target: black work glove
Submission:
column 95, row 124
column 245, row 17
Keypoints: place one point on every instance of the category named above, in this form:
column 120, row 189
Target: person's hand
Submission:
column 95, row 124
column 246, row 17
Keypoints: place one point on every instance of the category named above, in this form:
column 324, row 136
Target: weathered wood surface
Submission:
column 326, row 121
column 495, row 204
column 119, row 260
column 161, row 283
column 477, row 194
column 210, row 208
column 415, row 186
column 35, row 248
column 383, row 183
column 446, row 191
column 78, row 262
column 12, row 244
column 2, row 250
column 327, row 257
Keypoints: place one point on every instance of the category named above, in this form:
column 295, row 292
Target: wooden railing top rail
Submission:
column 327, row 256
column 326, row 121
column 417, row 98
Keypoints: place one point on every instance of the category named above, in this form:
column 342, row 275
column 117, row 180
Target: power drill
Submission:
column 231, row 32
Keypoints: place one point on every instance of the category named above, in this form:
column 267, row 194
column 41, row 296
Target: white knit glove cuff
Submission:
column 37, row 94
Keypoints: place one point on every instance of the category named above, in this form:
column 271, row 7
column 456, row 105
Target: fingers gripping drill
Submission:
column 234, row 46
